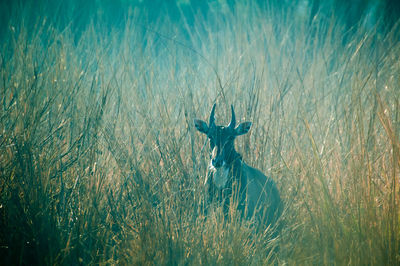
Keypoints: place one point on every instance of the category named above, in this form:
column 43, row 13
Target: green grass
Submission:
column 100, row 162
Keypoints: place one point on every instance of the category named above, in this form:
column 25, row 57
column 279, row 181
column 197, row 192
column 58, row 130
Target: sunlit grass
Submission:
column 100, row 162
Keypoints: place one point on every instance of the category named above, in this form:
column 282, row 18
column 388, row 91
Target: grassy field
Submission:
column 100, row 162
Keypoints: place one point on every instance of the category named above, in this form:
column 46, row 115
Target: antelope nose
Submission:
column 217, row 162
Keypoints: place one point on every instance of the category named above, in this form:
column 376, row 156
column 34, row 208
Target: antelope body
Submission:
column 229, row 177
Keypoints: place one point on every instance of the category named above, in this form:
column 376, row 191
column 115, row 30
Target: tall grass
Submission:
column 100, row 162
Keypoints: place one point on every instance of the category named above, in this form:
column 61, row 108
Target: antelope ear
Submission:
column 201, row 126
column 243, row 128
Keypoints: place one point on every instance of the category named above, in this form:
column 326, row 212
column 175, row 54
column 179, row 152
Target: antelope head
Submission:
column 223, row 152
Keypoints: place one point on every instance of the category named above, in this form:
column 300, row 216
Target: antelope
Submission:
column 229, row 177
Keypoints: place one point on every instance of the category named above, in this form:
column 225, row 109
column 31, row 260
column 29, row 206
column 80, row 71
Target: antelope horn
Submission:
column 233, row 119
column 212, row 118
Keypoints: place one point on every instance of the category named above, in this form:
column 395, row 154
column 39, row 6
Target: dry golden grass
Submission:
column 100, row 162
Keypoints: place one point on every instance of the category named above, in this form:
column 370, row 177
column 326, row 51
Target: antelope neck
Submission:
column 231, row 161
column 223, row 176
column 233, row 158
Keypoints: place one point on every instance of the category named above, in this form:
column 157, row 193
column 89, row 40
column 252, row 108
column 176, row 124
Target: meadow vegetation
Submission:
column 100, row 162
